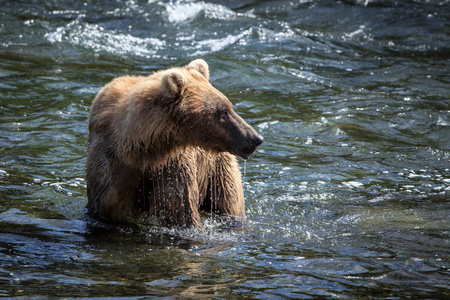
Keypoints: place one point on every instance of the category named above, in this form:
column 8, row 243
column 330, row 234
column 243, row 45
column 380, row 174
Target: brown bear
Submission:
column 165, row 145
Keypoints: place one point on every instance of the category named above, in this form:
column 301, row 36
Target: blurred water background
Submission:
column 347, row 198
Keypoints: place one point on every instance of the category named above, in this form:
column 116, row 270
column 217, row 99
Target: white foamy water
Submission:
column 99, row 39
column 214, row 45
column 177, row 12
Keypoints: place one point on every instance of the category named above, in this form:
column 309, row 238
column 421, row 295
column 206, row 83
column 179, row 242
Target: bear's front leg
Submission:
column 224, row 194
column 174, row 193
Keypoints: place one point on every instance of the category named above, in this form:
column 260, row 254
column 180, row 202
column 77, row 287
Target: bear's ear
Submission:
column 201, row 66
column 173, row 83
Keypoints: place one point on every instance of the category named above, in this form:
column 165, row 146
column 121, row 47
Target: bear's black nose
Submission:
column 258, row 140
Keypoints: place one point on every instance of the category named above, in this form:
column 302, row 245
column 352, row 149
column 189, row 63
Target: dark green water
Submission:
column 347, row 198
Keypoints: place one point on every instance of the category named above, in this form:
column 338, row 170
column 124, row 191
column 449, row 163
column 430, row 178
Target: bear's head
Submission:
column 205, row 117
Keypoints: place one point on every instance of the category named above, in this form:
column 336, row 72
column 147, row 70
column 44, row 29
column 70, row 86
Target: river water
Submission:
column 347, row 198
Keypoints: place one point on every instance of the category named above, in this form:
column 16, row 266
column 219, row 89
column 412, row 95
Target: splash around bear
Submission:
column 165, row 145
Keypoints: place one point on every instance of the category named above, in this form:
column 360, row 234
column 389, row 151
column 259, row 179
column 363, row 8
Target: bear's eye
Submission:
column 223, row 115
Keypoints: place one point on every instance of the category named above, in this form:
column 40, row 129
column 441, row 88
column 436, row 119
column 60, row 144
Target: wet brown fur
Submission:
column 157, row 145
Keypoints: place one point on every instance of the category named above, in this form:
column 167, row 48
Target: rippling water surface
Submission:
column 348, row 197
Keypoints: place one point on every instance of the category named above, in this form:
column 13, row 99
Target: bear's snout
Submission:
column 247, row 140
column 258, row 140
column 253, row 141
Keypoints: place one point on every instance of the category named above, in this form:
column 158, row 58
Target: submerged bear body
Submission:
column 165, row 145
